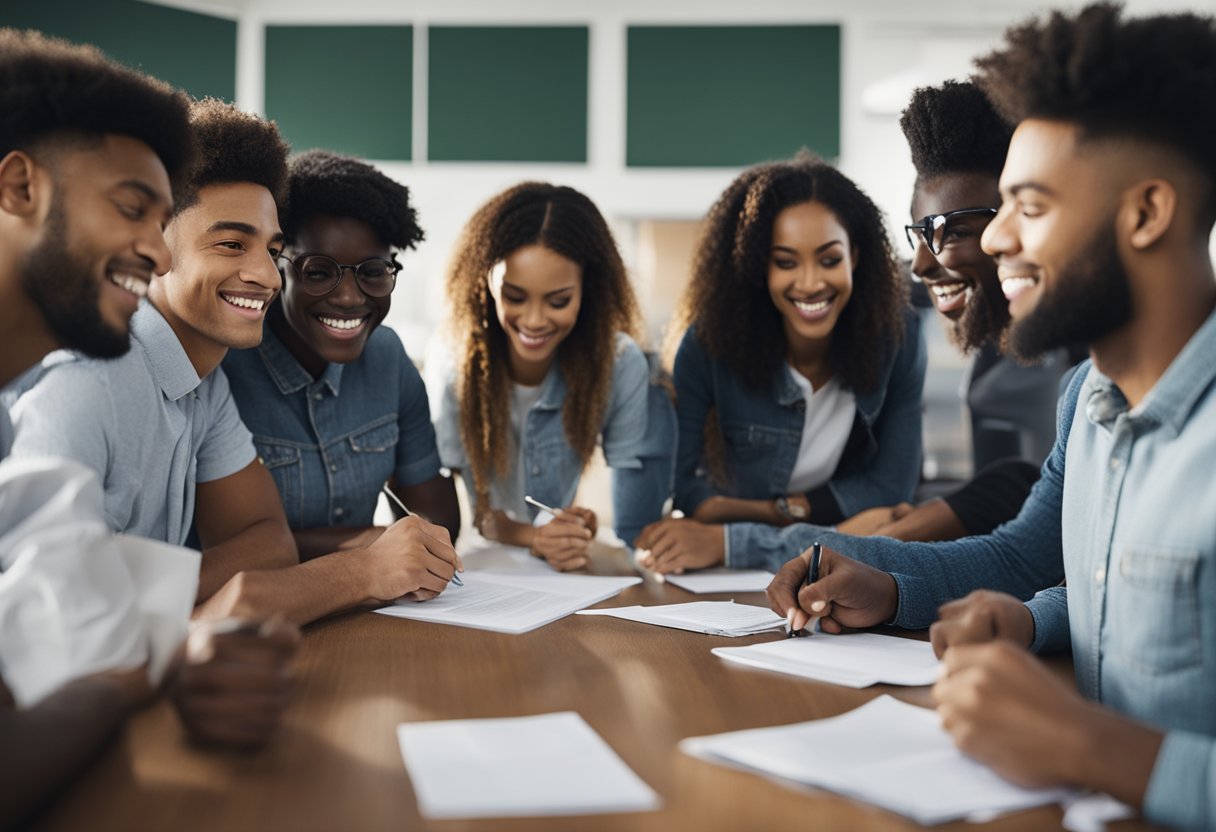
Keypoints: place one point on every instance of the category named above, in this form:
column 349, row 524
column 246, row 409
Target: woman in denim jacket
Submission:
column 336, row 407
column 546, row 370
column 799, row 378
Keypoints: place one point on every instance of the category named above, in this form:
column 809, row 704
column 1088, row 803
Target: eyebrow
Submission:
column 1031, row 185
column 147, row 190
column 241, row 227
column 828, row 244
column 507, row 285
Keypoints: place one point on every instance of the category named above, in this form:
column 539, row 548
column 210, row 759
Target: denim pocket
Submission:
column 283, row 463
column 375, row 439
column 1156, row 607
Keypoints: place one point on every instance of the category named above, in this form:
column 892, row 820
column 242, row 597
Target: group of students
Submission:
column 227, row 385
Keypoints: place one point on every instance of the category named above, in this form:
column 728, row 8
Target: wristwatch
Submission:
column 790, row 511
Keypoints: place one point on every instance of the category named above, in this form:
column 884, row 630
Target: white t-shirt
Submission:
column 830, row 411
column 507, row 493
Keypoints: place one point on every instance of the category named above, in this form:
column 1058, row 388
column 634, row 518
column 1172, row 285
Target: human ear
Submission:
column 19, row 190
column 1153, row 204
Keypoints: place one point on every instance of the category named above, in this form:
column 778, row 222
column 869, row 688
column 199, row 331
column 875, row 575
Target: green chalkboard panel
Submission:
column 344, row 88
column 725, row 96
column 196, row 52
column 507, row 93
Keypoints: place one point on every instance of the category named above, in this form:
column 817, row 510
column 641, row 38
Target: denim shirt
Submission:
column 763, row 429
column 332, row 442
column 1132, row 527
column 552, row 468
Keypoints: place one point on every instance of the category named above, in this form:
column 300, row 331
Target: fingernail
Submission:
column 818, row 606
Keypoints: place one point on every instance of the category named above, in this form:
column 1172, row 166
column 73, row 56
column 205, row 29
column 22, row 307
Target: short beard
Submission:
column 67, row 294
column 984, row 318
column 1091, row 297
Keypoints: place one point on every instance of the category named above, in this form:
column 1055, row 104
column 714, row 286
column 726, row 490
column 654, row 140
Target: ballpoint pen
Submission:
column 812, row 575
column 538, row 504
column 388, row 492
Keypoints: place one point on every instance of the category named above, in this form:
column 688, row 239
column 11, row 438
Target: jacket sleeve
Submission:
column 693, row 376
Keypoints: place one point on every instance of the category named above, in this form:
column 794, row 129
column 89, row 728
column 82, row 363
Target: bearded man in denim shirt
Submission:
column 1108, row 202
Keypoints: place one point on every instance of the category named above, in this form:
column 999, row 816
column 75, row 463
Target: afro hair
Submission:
column 52, row 90
column 234, row 146
column 954, row 129
column 320, row 182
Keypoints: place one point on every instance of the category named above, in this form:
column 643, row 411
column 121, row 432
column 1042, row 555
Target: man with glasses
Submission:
column 159, row 425
column 336, row 407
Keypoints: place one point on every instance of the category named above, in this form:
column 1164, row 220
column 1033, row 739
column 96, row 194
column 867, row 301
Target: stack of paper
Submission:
column 886, row 752
column 717, row 618
column 513, row 603
column 722, row 580
column 553, row 764
column 855, row 660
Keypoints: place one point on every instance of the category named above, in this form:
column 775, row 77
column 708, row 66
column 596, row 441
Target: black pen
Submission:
column 388, row 492
column 812, row 575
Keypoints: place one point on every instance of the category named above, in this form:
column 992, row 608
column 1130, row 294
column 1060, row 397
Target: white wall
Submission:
column 888, row 46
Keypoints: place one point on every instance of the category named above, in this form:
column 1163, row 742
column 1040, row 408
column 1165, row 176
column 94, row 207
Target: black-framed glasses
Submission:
column 319, row 274
column 934, row 229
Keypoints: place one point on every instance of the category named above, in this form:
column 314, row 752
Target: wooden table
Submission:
column 336, row 763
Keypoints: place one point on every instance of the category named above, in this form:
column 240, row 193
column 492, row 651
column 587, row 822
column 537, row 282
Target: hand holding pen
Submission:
column 395, row 500
column 842, row 593
column 564, row 541
column 812, row 575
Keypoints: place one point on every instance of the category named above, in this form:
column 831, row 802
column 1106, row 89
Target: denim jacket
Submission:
column 638, row 452
column 331, row 443
column 763, row 430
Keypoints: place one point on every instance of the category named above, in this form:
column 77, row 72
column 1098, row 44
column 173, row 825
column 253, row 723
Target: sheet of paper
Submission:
column 722, row 580
column 719, row 618
column 886, row 752
column 514, row 603
column 552, row 764
column 482, row 554
column 855, row 660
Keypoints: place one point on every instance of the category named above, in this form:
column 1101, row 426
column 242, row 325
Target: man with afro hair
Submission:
column 330, row 386
column 1108, row 202
column 91, row 154
column 160, row 426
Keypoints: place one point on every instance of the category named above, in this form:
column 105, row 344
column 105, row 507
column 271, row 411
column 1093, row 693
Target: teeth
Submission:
column 342, row 323
column 246, row 303
column 1015, row 285
column 810, row 308
column 132, row 284
column 533, row 340
column 949, row 290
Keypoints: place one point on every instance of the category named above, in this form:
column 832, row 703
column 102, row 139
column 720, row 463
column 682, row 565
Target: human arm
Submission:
column 676, row 545
column 640, row 494
column 693, row 377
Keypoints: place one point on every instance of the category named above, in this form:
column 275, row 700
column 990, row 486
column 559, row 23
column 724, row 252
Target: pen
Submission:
column 388, row 492
column 532, row 501
column 812, row 575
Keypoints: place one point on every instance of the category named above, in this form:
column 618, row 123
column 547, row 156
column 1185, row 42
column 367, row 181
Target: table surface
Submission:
column 336, row 765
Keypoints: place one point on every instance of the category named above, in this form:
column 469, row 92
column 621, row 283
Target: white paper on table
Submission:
column 722, row 580
column 717, row 618
column 854, row 660
column 551, row 764
column 1092, row 812
column 886, row 752
column 499, row 557
column 511, row 603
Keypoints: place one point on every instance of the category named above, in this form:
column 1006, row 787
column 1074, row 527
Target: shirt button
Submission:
column 333, row 466
column 535, row 469
column 1114, row 464
column 1100, row 575
column 339, row 511
column 317, row 396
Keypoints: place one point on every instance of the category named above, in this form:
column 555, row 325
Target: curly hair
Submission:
column 1152, row 79
column 53, row 91
column 320, row 182
column 234, row 146
column 566, row 222
column 727, row 300
column 955, row 129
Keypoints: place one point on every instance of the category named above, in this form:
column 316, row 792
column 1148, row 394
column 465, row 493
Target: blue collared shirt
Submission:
column 145, row 423
column 331, row 443
column 1125, row 509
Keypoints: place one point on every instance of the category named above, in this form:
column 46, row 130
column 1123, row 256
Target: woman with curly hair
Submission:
column 336, row 407
column 546, row 369
column 798, row 380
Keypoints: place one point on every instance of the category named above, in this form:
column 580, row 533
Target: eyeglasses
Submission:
column 319, row 275
column 934, row 229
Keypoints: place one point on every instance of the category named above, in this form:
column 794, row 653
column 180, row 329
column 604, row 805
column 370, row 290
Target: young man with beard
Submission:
column 1109, row 199
column 88, row 152
column 160, row 428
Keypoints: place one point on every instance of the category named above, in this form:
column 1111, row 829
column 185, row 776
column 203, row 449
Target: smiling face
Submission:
column 102, row 241
column 224, row 271
column 810, row 272
column 333, row 328
column 962, row 280
column 537, row 296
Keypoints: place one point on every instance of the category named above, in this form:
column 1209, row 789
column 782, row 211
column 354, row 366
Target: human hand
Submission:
column 412, row 559
column 675, row 545
column 586, row 515
column 563, row 541
column 981, row 617
column 134, row 685
column 232, row 683
column 847, row 594
column 874, row 520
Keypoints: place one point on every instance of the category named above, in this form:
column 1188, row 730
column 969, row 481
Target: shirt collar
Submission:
column 553, row 390
column 171, row 367
column 1170, row 402
column 289, row 376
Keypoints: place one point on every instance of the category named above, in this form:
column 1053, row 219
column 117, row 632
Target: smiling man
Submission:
column 1108, row 202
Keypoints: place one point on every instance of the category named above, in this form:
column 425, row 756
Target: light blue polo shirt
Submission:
column 146, row 423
